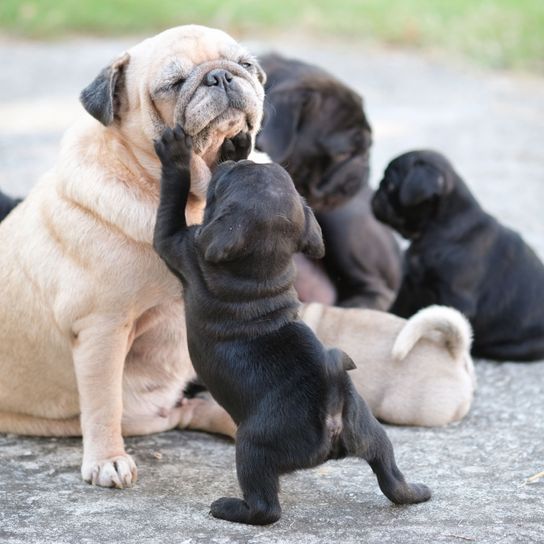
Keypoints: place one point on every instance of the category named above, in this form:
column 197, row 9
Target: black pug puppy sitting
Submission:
column 7, row 204
column 316, row 128
column 292, row 399
column 461, row 256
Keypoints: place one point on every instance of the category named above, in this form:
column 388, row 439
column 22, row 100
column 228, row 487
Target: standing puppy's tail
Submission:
column 339, row 361
column 7, row 204
column 450, row 323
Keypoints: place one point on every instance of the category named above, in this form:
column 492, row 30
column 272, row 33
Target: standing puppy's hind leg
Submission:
column 363, row 436
column 259, row 480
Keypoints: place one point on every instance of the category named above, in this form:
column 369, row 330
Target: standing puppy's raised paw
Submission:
column 119, row 472
column 174, row 148
column 236, row 148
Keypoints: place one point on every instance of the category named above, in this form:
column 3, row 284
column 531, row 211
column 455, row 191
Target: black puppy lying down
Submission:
column 7, row 204
column 461, row 256
column 292, row 399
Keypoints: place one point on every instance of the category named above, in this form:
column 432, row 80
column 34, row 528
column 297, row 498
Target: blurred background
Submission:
column 497, row 33
column 461, row 76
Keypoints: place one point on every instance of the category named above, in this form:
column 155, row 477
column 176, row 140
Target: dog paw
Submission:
column 238, row 511
column 236, row 148
column 411, row 494
column 119, row 472
column 174, row 148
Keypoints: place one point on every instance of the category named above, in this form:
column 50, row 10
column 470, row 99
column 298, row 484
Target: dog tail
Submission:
column 453, row 326
column 339, row 361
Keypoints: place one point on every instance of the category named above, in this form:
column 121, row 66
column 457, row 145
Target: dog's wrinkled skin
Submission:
column 316, row 128
column 462, row 257
column 292, row 399
column 7, row 204
column 92, row 338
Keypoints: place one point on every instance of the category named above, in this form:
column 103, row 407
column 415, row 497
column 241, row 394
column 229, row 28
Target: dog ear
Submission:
column 422, row 183
column 311, row 241
column 284, row 109
column 261, row 74
column 102, row 97
column 223, row 239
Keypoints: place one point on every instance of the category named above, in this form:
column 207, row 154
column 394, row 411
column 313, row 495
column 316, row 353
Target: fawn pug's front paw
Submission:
column 174, row 148
column 119, row 471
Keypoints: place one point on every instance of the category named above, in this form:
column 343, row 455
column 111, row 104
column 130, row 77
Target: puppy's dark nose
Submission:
column 218, row 78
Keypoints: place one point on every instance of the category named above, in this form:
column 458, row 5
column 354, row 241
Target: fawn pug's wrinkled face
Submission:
column 198, row 77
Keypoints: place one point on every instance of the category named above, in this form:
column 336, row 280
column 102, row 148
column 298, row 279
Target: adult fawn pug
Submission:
column 92, row 339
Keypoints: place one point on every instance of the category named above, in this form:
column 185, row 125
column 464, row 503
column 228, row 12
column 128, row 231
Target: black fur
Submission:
column 292, row 399
column 7, row 204
column 316, row 128
column 461, row 256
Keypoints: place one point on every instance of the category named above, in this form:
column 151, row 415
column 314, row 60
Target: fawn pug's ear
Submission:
column 422, row 183
column 311, row 241
column 102, row 98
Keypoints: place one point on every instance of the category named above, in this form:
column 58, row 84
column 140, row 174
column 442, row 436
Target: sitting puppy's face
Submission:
column 315, row 127
column 254, row 210
column 191, row 75
column 411, row 191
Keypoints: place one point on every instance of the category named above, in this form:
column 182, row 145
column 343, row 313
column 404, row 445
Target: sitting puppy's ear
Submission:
column 223, row 239
column 102, row 98
column 261, row 75
column 422, row 182
column 311, row 241
column 283, row 115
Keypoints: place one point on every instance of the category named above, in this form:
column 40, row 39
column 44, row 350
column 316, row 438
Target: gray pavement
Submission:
column 492, row 127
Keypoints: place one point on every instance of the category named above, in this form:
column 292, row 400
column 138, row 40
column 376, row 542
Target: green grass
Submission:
column 498, row 33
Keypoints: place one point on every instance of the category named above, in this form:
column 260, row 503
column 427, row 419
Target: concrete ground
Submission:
column 492, row 127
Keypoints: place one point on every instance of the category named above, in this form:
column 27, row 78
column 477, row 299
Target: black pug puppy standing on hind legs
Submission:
column 292, row 399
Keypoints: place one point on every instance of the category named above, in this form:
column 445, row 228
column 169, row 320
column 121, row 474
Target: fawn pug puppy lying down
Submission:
column 292, row 399
column 462, row 257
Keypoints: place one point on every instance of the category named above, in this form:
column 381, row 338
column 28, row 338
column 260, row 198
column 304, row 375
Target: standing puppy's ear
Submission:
column 311, row 241
column 223, row 239
column 102, row 98
column 422, row 182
